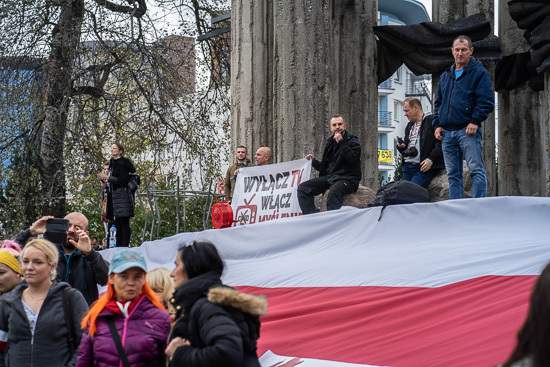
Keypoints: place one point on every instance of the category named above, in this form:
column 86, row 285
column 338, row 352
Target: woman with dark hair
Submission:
column 533, row 345
column 215, row 324
column 120, row 200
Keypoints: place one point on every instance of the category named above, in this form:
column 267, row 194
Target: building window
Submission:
column 397, row 110
column 397, row 76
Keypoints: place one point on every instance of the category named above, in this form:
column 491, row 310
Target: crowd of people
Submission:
column 186, row 317
column 49, row 291
column 51, row 313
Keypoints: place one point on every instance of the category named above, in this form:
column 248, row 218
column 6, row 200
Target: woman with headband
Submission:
column 10, row 272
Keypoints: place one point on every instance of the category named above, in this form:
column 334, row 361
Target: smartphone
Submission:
column 56, row 230
column 400, row 140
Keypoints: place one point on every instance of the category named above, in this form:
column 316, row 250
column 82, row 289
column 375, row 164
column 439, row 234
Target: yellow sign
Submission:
column 385, row 156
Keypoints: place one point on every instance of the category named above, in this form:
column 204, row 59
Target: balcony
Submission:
column 385, row 87
column 384, row 119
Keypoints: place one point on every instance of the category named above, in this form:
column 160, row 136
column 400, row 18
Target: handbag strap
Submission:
column 118, row 343
column 66, row 296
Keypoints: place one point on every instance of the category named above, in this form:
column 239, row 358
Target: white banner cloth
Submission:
column 265, row 193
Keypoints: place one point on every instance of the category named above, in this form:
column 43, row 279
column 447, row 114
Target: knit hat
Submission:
column 12, row 245
column 9, row 260
column 126, row 259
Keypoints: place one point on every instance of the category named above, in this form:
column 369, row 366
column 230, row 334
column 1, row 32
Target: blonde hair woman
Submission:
column 162, row 284
column 39, row 316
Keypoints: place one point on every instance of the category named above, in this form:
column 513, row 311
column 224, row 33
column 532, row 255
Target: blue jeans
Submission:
column 411, row 172
column 457, row 146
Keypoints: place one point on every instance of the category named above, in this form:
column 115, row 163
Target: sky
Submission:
column 428, row 5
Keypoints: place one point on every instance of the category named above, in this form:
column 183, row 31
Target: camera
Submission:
column 244, row 164
column 410, row 152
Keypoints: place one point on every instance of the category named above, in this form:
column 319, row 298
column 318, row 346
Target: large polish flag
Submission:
column 434, row 284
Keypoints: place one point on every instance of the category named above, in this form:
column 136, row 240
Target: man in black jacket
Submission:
column 79, row 264
column 421, row 151
column 339, row 169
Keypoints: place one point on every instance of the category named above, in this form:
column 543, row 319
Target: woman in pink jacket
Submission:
column 128, row 326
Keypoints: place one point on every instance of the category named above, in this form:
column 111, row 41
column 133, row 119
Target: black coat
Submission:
column 430, row 147
column 120, row 200
column 49, row 346
column 84, row 272
column 346, row 160
column 222, row 324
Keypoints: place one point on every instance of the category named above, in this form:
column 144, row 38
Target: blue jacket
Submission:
column 468, row 99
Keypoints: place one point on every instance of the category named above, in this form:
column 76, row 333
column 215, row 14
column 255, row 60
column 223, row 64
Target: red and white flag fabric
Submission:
column 432, row 284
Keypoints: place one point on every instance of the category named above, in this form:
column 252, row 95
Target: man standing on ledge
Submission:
column 464, row 100
column 339, row 169
column 421, row 151
column 231, row 177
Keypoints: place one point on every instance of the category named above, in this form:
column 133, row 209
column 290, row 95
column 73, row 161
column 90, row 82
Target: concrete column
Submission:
column 251, row 74
column 316, row 58
column 546, row 142
column 521, row 129
column 448, row 11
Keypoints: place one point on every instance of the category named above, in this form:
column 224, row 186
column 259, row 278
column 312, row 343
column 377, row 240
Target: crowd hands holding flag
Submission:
column 186, row 317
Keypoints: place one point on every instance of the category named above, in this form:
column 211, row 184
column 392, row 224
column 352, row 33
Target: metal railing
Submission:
column 418, row 88
column 385, row 84
column 147, row 199
column 384, row 119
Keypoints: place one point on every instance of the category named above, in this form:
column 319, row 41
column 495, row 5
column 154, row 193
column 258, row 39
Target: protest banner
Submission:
column 264, row 193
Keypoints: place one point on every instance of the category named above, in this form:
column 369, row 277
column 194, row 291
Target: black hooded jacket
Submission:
column 222, row 324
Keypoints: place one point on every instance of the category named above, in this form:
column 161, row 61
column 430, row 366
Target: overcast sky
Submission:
column 428, row 5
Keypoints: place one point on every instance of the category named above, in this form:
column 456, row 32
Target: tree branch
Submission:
column 137, row 12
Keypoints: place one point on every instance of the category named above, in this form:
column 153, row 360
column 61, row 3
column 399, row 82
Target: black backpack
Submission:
column 134, row 182
column 400, row 192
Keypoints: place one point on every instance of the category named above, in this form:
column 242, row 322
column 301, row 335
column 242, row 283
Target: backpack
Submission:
column 399, row 192
column 134, row 182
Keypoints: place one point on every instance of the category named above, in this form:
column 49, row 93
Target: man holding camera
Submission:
column 231, row 177
column 78, row 263
column 421, row 151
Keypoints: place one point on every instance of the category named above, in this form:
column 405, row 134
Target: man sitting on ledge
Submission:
column 339, row 169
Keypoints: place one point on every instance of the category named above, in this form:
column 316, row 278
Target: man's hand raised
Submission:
column 84, row 244
column 39, row 227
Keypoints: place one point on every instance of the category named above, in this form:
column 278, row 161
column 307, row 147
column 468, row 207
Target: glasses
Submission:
column 114, row 148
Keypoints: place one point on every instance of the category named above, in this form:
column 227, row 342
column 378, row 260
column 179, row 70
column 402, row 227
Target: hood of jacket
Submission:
column 473, row 64
column 210, row 286
column 226, row 296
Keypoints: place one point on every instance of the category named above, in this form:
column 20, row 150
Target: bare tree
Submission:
column 111, row 71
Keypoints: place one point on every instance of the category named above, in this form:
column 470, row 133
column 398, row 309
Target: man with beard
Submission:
column 339, row 169
column 231, row 177
column 79, row 264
